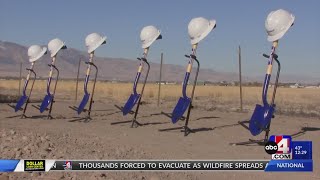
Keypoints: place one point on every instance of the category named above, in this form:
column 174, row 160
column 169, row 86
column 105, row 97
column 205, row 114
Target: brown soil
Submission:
column 66, row 138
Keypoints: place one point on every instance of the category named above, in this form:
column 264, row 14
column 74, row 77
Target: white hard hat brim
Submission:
column 44, row 50
column 212, row 24
column 280, row 35
column 94, row 47
column 57, row 50
column 148, row 44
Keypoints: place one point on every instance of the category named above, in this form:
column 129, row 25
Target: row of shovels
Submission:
column 259, row 122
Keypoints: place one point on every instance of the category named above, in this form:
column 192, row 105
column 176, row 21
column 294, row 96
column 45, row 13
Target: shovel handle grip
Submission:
column 275, row 56
column 135, row 84
column 144, row 59
column 28, row 77
column 191, row 56
column 90, row 63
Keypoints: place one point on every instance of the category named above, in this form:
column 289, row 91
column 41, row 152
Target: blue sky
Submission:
column 238, row 23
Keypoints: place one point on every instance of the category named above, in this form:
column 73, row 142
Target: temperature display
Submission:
column 302, row 149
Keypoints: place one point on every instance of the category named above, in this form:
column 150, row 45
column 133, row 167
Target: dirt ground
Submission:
column 65, row 137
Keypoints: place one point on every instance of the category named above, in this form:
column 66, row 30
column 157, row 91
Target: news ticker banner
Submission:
column 154, row 165
column 286, row 155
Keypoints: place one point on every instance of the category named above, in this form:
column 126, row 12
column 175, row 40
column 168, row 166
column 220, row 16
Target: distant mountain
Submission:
column 11, row 54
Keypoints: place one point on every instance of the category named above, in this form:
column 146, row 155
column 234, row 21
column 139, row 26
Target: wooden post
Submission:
column 77, row 80
column 160, row 76
column 20, row 74
column 240, row 78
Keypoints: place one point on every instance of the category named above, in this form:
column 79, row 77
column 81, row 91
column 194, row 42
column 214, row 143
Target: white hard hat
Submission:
column 94, row 40
column 199, row 28
column 35, row 52
column 278, row 23
column 55, row 45
column 148, row 35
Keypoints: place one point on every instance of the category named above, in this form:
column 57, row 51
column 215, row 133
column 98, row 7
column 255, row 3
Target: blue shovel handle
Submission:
column 265, row 89
column 267, row 78
column 136, row 80
column 187, row 75
column 185, row 84
column 86, row 81
column 85, row 87
column 48, row 85
column 25, row 87
column 50, row 77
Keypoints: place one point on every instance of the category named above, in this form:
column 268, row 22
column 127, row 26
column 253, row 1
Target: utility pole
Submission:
column 160, row 76
column 240, row 78
column 77, row 80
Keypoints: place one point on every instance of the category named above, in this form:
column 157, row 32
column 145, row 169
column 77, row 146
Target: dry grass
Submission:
column 289, row 101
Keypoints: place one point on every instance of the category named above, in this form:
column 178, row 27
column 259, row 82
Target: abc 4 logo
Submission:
column 271, row 147
column 278, row 145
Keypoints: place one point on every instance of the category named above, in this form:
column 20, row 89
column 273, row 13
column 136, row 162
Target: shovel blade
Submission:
column 260, row 119
column 20, row 103
column 46, row 101
column 180, row 108
column 83, row 103
column 130, row 103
